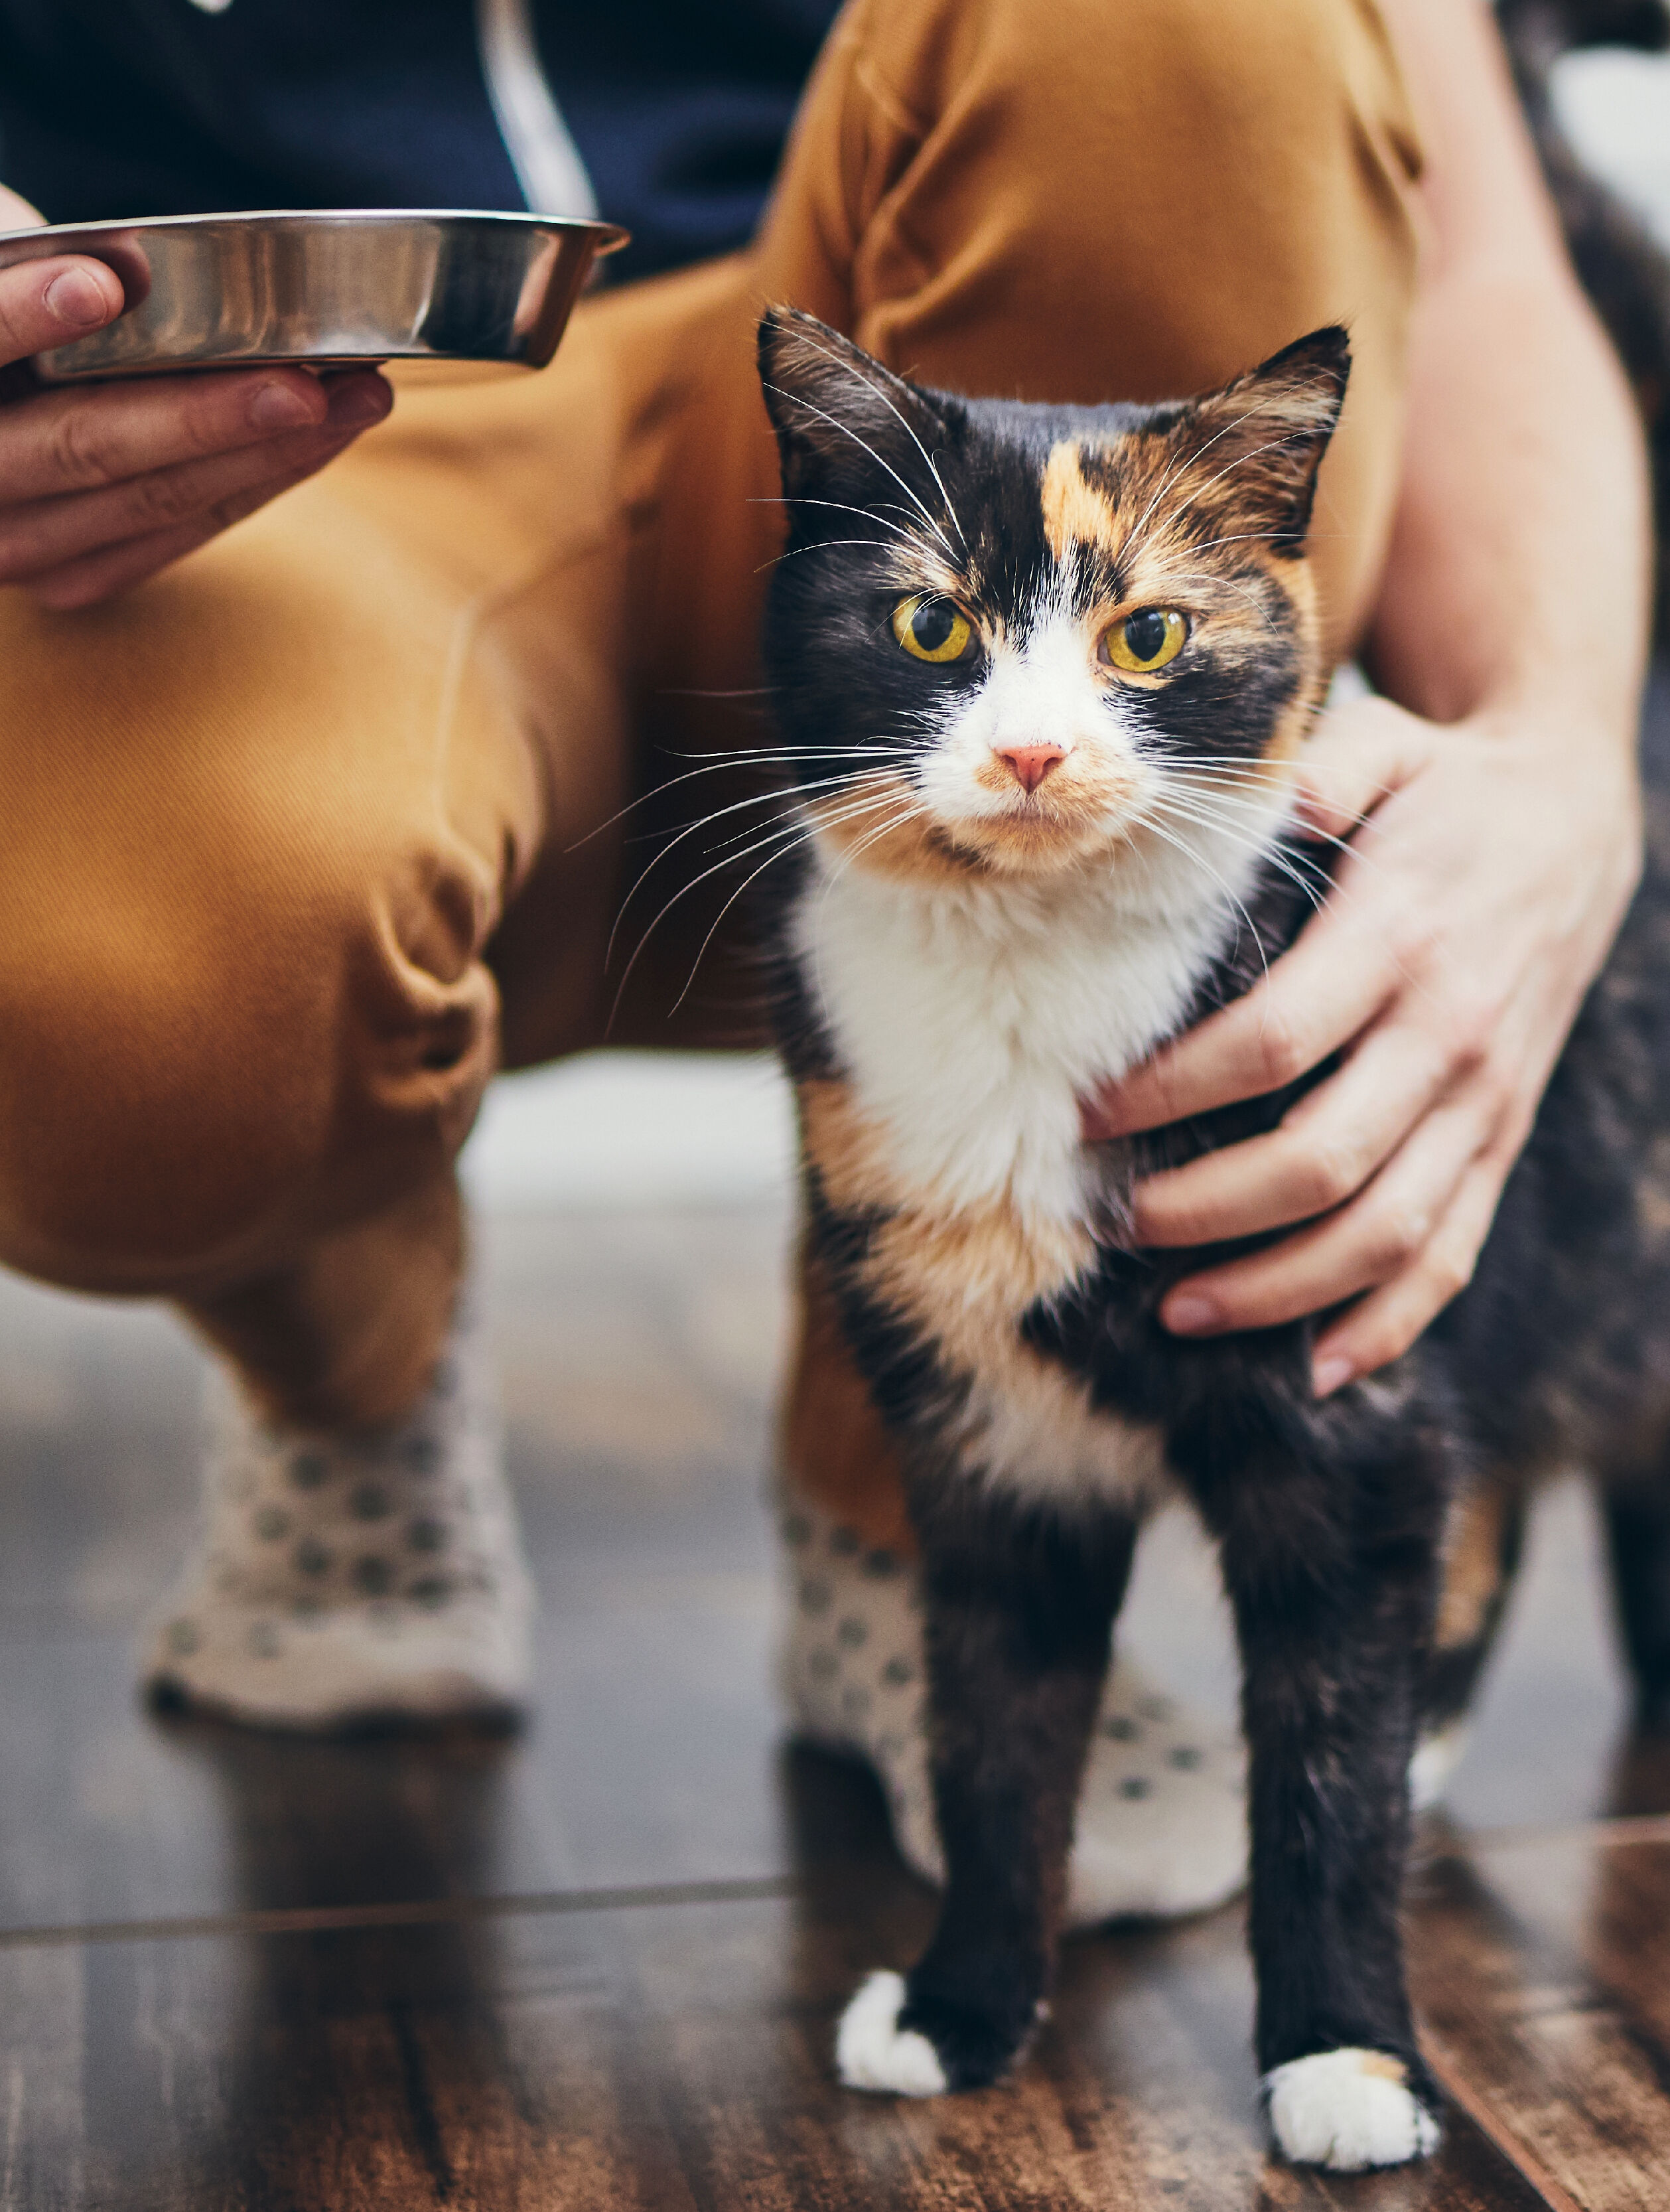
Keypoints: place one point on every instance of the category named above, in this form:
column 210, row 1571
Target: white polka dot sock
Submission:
column 1161, row 1820
column 336, row 1580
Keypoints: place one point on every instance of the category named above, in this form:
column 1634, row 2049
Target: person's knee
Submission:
column 198, row 1078
column 1205, row 81
column 1196, row 150
column 1075, row 203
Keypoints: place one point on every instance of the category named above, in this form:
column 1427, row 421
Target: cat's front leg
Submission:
column 1018, row 1611
column 1331, row 1565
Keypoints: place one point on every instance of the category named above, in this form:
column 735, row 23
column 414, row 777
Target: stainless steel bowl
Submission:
column 331, row 286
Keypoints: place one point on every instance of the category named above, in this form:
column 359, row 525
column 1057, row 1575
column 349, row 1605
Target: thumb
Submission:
column 16, row 214
column 45, row 303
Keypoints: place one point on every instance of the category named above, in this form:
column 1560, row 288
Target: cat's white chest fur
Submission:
column 971, row 1021
column 968, row 1026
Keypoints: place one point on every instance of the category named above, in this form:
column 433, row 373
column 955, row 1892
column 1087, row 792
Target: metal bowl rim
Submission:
column 610, row 236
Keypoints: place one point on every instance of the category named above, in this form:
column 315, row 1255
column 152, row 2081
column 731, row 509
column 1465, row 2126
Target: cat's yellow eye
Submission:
column 1145, row 641
column 932, row 628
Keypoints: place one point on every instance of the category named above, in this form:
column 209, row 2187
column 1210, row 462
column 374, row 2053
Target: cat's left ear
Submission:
column 1260, row 442
column 833, row 406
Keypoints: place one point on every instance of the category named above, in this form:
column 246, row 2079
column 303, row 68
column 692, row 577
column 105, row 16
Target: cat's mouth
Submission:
column 1038, row 808
column 979, row 828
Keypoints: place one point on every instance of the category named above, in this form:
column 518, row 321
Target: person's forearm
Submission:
column 1519, row 574
column 1540, row 602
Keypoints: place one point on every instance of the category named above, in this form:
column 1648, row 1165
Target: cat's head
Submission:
column 1018, row 641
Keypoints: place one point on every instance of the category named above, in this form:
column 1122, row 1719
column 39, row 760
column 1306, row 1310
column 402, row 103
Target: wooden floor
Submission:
column 598, row 1965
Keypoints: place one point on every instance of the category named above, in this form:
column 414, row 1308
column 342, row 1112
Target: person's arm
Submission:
column 102, row 484
column 1500, row 812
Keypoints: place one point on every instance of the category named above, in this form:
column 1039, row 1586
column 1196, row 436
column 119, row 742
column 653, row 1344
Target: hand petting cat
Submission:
column 1477, row 904
column 1499, row 804
column 102, row 485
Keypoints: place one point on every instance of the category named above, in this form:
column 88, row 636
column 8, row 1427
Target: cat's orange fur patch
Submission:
column 835, row 1445
column 1075, row 512
column 957, row 1271
column 962, row 1277
column 1473, row 1566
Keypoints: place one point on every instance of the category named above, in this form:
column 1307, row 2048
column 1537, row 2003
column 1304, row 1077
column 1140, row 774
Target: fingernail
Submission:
column 354, row 406
column 278, row 407
column 1190, row 1314
column 1330, row 1374
column 78, row 297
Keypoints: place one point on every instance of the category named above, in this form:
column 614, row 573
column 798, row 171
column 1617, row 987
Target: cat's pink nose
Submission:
column 1031, row 763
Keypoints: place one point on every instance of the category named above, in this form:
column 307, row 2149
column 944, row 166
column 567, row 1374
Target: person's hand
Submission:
column 102, row 484
column 1481, row 893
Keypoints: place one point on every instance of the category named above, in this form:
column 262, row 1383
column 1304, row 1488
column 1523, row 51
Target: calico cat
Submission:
column 1039, row 672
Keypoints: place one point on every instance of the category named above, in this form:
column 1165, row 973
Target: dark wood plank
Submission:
column 1541, row 1968
column 674, row 2056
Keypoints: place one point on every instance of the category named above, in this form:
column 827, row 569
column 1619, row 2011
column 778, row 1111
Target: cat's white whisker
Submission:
column 795, row 399
column 786, row 836
column 785, row 798
column 1134, row 539
column 695, row 692
column 1313, row 834
column 1255, row 830
column 811, row 826
column 1315, row 884
column 1241, row 461
column 870, row 749
column 752, row 838
column 1189, row 851
column 761, row 757
column 845, row 506
column 823, row 545
column 845, row 786
column 859, row 377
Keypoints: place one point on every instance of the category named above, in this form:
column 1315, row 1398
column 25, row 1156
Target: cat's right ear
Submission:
column 835, row 407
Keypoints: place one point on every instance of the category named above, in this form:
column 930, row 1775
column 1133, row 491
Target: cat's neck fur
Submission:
column 970, row 1019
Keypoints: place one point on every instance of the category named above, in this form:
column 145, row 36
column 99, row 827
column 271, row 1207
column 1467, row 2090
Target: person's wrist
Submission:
column 1584, row 752
column 1579, row 761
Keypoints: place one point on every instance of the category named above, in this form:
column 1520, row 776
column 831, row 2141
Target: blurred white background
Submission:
column 1616, row 106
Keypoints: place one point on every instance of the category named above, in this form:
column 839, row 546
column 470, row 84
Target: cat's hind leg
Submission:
column 1484, row 1540
column 1638, row 1516
column 1018, row 1612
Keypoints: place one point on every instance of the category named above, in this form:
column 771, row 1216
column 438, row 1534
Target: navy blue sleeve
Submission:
column 678, row 108
column 126, row 107
column 680, row 112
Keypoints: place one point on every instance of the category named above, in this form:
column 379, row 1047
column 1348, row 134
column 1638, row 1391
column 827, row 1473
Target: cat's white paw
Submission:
column 1347, row 2109
column 872, row 2051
